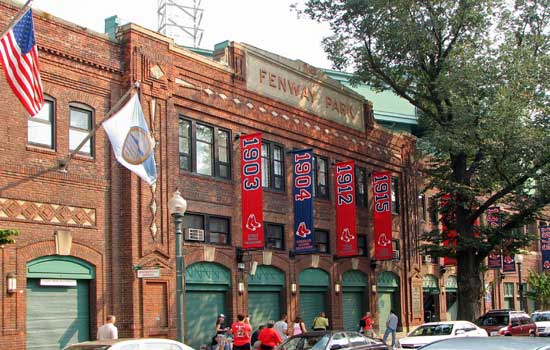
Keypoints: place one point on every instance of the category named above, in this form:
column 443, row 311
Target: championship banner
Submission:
column 346, row 220
column 381, row 187
column 545, row 247
column 451, row 234
column 251, row 191
column 494, row 260
column 304, row 237
column 508, row 264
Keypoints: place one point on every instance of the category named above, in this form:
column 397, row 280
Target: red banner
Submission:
column 451, row 234
column 381, row 187
column 346, row 221
column 251, row 191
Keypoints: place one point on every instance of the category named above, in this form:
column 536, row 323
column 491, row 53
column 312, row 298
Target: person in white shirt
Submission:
column 108, row 330
column 282, row 327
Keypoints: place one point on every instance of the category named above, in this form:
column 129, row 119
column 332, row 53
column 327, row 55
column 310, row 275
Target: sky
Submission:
column 267, row 24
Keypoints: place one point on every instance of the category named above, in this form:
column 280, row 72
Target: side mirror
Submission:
column 460, row 331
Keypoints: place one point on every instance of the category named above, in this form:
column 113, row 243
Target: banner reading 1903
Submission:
column 346, row 222
column 381, row 187
column 304, row 237
column 545, row 247
column 251, row 191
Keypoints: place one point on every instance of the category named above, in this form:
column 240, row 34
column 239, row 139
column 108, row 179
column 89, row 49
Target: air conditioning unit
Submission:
column 427, row 259
column 194, row 234
column 396, row 254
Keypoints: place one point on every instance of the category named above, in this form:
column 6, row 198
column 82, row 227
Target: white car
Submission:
column 542, row 320
column 130, row 344
column 430, row 332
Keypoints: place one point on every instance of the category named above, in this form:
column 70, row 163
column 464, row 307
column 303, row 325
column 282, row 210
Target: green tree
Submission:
column 539, row 288
column 477, row 71
column 6, row 236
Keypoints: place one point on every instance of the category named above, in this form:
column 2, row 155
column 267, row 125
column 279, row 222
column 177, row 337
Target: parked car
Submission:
column 489, row 343
column 507, row 322
column 542, row 320
column 332, row 340
column 130, row 344
column 433, row 331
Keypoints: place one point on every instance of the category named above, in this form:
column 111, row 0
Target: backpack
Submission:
column 362, row 323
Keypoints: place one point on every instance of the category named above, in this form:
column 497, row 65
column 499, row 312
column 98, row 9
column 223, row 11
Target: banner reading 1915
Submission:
column 545, row 247
column 304, row 237
column 251, row 191
column 381, row 187
column 346, row 222
column 494, row 260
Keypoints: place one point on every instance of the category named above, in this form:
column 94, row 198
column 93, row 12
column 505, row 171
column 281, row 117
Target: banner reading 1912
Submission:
column 494, row 260
column 381, row 187
column 251, row 191
column 545, row 247
column 304, row 237
column 346, row 221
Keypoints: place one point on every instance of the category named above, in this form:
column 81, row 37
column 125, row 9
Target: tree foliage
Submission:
column 539, row 288
column 478, row 72
column 6, row 236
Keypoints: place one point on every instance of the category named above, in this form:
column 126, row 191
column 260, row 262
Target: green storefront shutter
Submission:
column 311, row 304
column 202, row 312
column 353, row 310
column 263, row 306
column 57, row 316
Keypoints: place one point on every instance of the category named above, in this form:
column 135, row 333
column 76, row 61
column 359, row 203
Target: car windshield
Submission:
column 434, row 329
column 539, row 317
column 496, row 320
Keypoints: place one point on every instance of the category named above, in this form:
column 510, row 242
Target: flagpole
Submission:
column 17, row 17
column 64, row 163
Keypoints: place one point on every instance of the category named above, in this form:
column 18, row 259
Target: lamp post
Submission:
column 519, row 261
column 177, row 207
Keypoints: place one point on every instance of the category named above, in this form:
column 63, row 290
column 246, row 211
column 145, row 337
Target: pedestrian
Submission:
column 298, row 326
column 282, row 327
column 254, row 339
column 241, row 334
column 320, row 323
column 108, row 330
column 219, row 340
column 366, row 325
column 391, row 327
column 269, row 338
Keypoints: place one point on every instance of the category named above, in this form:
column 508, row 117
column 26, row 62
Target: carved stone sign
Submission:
column 417, row 298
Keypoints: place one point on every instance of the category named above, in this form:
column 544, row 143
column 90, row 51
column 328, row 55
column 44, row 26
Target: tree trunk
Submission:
column 470, row 290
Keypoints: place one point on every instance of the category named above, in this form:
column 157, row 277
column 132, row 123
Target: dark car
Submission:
column 507, row 322
column 331, row 340
column 489, row 343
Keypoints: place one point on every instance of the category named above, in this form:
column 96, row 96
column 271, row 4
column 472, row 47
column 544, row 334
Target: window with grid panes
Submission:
column 41, row 127
column 509, row 296
column 218, row 227
column 204, row 149
column 80, row 125
column 274, row 236
column 395, row 195
column 322, row 240
column 321, row 177
column 273, row 166
column 362, row 245
column 361, row 187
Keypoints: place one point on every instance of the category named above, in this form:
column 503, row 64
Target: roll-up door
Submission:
column 354, row 284
column 314, row 286
column 265, row 294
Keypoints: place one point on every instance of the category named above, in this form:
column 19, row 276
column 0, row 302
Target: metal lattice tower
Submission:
column 181, row 20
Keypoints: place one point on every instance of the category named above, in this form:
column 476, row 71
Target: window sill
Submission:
column 205, row 177
column 40, row 149
column 270, row 190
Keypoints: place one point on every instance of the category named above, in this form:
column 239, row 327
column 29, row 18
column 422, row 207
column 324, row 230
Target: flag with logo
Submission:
column 494, row 260
column 20, row 64
column 381, row 188
column 304, row 234
column 346, row 216
column 252, row 191
column 131, row 141
column 545, row 247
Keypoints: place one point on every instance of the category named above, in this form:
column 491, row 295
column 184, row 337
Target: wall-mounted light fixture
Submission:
column 241, row 287
column 11, row 279
column 373, row 288
column 337, row 287
column 293, row 288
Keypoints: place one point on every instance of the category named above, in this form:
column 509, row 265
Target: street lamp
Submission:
column 177, row 207
column 519, row 261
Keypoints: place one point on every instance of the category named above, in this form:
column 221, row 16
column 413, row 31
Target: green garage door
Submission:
column 354, row 284
column 264, row 295
column 206, row 288
column 388, row 298
column 314, row 285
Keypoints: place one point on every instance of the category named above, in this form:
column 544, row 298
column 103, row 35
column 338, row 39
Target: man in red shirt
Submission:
column 241, row 334
column 269, row 337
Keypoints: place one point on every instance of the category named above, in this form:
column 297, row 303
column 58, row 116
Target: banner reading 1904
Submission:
column 304, row 238
column 381, row 187
column 251, row 191
column 346, row 222
column 545, row 247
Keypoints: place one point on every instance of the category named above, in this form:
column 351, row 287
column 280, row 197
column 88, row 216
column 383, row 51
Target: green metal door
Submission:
column 202, row 311
column 353, row 310
column 311, row 304
column 57, row 316
column 384, row 307
column 263, row 306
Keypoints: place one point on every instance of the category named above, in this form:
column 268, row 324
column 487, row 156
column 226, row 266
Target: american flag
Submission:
column 20, row 63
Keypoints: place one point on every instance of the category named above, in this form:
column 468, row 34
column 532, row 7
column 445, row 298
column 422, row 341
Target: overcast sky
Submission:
column 267, row 24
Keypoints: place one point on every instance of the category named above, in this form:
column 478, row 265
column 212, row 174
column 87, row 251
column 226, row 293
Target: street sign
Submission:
column 148, row 273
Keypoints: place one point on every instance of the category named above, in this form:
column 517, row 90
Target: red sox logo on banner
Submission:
column 251, row 191
column 381, row 187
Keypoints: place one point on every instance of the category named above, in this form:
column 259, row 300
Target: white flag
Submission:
column 131, row 141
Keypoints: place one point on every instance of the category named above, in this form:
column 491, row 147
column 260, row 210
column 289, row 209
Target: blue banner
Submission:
column 545, row 247
column 304, row 235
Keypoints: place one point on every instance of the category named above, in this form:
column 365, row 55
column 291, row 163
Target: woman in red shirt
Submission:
column 269, row 337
